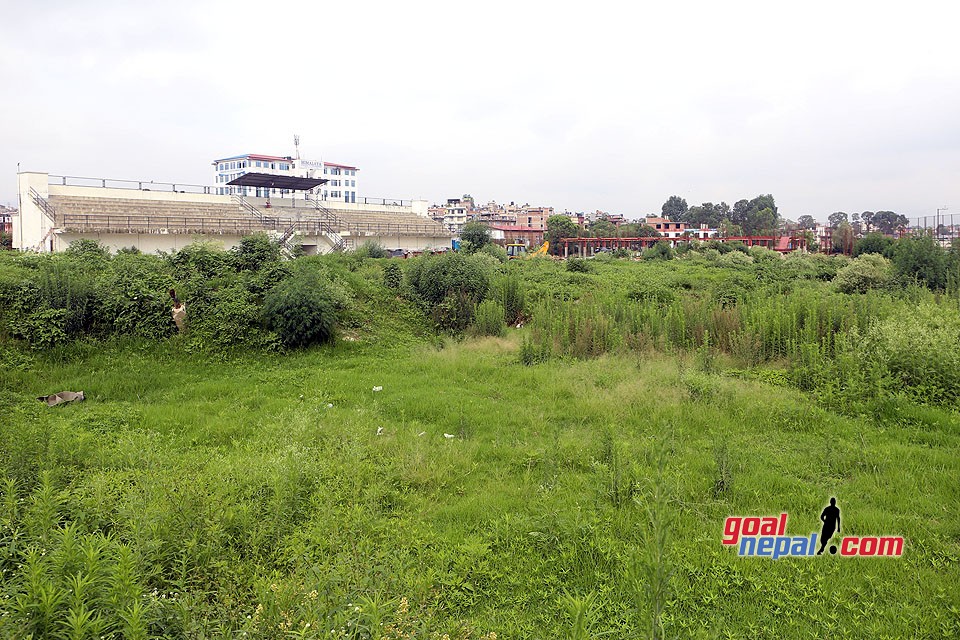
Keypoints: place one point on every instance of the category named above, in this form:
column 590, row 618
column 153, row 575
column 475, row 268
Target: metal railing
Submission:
column 141, row 185
column 170, row 224
column 43, row 205
column 246, row 206
column 201, row 224
column 186, row 187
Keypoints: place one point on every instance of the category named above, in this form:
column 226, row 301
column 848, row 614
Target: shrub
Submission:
column 577, row 265
column 489, row 319
column 874, row 243
column 225, row 317
column 495, row 251
column 652, row 291
column 454, row 313
column 301, row 311
column 254, row 252
column 371, row 249
column 660, row 251
column 764, row 255
column 734, row 259
column 392, row 276
column 135, row 299
column 199, row 260
column 922, row 353
column 87, row 248
column 42, row 329
column 919, row 258
column 869, row 271
column 513, row 300
column 434, row 278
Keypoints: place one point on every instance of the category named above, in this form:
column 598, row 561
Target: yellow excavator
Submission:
column 516, row 250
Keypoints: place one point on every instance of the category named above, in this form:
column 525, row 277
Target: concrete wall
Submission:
column 410, row 243
column 30, row 227
column 169, row 242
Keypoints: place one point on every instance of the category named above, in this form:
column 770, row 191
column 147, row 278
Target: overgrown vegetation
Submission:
column 563, row 471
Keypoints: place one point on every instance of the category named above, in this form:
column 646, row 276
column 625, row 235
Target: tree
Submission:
column 475, row 235
column 674, row 208
column 755, row 216
column 763, row 221
column 856, row 224
column 559, row 227
column 889, row 222
column 739, row 214
column 806, row 222
column 867, row 219
column 707, row 213
column 836, row 218
column 603, row 229
column 646, row 231
column 842, row 238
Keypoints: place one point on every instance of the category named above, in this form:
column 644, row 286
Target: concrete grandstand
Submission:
column 56, row 210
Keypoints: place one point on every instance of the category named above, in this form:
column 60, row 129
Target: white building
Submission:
column 157, row 216
column 342, row 185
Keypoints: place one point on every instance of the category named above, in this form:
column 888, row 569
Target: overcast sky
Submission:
column 829, row 106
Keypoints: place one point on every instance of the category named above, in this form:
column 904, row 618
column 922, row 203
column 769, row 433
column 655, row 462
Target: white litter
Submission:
column 329, row 406
column 422, row 433
column 378, row 388
column 379, row 431
column 449, row 435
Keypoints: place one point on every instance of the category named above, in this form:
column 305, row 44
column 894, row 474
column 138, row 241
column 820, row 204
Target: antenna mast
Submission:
column 296, row 144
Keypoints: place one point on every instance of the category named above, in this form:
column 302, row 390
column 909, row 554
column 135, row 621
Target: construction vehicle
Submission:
column 517, row 250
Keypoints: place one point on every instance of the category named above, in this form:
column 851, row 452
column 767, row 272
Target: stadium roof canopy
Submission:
column 293, row 183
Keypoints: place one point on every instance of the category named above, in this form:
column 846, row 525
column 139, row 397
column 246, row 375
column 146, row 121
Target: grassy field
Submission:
column 283, row 495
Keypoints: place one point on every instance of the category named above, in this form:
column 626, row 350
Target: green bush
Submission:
column 659, row 251
column 435, row 278
column 254, row 252
column 301, row 312
column 874, row 243
column 495, row 251
column 734, row 259
column 199, row 260
column 224, row 318
column 869, row 271
column 87, row 249
column 489, row 319
column 919, row 258
column 653, row 291
column 455, row 313
column 578, row 265
column 42, row 329
column 922, row 353
column 392, row 276
column 513, row 299
column 371, row 249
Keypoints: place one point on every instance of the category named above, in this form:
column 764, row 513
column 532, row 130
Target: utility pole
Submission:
column 937, row 223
